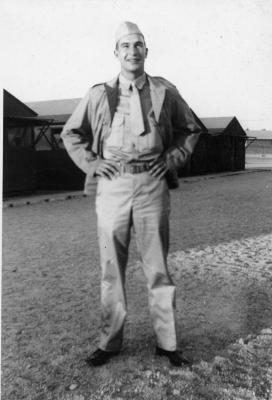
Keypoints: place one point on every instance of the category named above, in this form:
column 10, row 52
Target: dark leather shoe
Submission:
column 100, row 357
column 174, row 357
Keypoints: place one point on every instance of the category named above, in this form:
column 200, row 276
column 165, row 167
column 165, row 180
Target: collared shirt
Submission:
column 121, row 144
column 139, row 82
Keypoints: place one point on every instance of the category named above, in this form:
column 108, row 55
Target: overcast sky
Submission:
column 217, row 52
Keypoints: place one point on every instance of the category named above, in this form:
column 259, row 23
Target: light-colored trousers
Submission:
column 142, row 201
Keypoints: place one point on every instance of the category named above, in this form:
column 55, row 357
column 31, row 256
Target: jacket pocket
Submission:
column 152, row 140
column 116, row 132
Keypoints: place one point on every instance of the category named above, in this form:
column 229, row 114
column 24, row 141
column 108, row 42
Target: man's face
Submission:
column 131, row 52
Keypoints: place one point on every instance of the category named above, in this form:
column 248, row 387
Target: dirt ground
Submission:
column 220, row 259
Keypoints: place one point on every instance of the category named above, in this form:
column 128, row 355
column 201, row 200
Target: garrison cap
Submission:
column 127, row 28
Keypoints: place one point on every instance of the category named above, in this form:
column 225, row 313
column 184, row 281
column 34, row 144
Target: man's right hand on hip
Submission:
column 107, row 169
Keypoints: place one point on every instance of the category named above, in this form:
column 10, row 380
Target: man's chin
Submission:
column 135, row 68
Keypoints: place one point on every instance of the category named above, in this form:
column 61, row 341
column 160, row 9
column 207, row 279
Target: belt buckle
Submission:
column 122, row 167
column 133, row 168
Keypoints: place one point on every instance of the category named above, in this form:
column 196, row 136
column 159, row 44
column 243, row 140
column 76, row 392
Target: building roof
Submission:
column 217, row 122
column 25, row 120
column 15, row 107
column 261, row 135
column 59, row 110
column 199, row 122
column 224, row 126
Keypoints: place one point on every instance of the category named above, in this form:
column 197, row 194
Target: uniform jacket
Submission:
column 90, row 123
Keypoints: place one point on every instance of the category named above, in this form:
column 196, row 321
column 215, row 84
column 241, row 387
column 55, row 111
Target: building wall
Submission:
column 28, row 168
column 216, row 154
column 56, row 171
column 19, row 174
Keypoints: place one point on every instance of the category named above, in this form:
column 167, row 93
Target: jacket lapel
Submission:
column 157, row 93
column 112, row 95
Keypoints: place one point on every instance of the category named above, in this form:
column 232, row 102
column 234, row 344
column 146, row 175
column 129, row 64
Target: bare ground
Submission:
column 221, row 261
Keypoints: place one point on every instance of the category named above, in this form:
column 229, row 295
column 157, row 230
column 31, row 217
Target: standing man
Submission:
column 131, row 133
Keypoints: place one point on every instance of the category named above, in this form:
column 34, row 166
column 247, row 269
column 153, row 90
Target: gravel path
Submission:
column 220, row 259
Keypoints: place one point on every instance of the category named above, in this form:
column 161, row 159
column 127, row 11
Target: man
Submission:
column 130, row 133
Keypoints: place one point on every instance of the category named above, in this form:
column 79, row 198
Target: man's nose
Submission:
column 133, row 50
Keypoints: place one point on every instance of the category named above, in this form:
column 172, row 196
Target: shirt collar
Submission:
column 139, row 82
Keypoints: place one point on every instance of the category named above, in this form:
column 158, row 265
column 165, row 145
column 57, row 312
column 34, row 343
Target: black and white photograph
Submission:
column 136, row 200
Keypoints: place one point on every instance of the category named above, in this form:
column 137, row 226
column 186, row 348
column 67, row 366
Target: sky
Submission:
column 217, row 52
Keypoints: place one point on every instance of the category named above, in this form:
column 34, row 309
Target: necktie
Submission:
column 136, row 116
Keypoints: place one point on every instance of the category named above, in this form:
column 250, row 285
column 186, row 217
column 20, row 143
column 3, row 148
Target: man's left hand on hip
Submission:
column 158, row 168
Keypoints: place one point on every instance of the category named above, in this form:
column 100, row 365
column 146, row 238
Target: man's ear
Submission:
column 116, row 53
column 146, row 52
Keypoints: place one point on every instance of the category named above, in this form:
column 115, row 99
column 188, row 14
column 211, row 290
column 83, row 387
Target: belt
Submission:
column 134, row 167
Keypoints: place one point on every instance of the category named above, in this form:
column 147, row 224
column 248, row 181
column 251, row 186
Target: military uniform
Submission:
column 101, row 127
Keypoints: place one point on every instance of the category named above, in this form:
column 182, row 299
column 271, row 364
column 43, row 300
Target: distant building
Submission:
column 27, row 164
column 221, row 147
column 259, row 149
column 260, row 142
column 19, row 140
